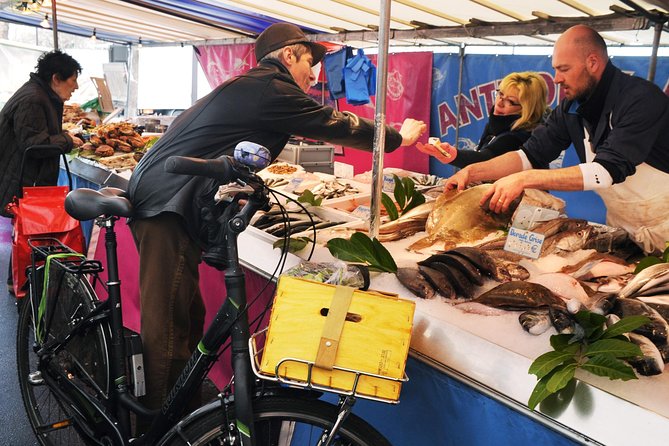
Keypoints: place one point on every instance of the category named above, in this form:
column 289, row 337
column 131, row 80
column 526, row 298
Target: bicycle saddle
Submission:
column 87, row 204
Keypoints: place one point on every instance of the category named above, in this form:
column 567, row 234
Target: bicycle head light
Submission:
column 252, row 155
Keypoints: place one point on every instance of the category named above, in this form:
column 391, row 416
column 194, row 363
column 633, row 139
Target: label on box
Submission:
column 294, row 184
column 343, row 170
column 524, row 242
column 363, row 212
column 527, row 216
column 388, row 184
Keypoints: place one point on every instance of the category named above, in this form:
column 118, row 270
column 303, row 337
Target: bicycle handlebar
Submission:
column 223, row 169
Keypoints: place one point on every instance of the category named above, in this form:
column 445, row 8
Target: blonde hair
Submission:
column 532, row 94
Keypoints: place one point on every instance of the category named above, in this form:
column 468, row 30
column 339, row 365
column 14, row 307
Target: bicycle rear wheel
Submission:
column 83, row 360
column 282, row 421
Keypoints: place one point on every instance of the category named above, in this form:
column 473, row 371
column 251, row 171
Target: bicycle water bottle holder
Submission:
column 308, row 382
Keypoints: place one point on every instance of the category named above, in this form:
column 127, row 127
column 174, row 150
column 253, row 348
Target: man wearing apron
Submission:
column 619, row 125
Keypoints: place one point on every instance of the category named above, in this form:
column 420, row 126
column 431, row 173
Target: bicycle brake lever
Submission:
column 229, row 191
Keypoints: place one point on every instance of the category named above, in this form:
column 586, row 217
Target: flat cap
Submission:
column 279, row 35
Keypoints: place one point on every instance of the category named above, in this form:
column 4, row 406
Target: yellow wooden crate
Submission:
column 374, row 339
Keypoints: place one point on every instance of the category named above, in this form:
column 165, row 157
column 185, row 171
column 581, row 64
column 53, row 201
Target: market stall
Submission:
column 490, row 353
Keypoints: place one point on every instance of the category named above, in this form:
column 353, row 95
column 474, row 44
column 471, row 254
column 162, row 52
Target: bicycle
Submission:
column 79, row 369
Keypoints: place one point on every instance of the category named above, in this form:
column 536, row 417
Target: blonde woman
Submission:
column 520, row 105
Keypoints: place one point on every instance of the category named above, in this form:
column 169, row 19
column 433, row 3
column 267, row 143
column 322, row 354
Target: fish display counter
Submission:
column 490, row 352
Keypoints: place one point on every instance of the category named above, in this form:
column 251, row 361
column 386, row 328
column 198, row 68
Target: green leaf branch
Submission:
column 406, row 197
column 361, row 249
column 593, row 347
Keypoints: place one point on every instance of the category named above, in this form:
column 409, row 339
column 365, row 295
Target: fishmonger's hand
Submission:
column 459, row 180
column 503, row 192
column 411, row 130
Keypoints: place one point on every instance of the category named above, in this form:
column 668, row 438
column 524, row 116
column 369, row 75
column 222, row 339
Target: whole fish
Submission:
column 438, row 280
column 656, row 330
column 650, row 362
column 535, row 321
column 458, row 218
column 462, row 264
column 519, row 295
column 569, row 241
column 483, row 261
column 645, row 275
column 566, row 287
column 552, row 227
column 414, row 281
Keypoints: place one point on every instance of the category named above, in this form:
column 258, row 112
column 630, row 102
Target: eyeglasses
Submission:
column 505, row 100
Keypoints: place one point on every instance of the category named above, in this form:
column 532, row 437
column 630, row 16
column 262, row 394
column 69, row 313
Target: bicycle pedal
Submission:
column 35, row 378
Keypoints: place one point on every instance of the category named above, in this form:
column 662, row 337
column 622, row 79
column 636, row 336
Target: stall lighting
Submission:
column 94, row 36
column 45, row 22
column 139, row 43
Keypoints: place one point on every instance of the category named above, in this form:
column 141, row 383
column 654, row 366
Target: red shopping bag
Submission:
column 39, row 211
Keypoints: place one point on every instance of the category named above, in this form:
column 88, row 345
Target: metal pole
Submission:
column 653, row 57
column 54, row 24
column 459, row 100
column 379, row 120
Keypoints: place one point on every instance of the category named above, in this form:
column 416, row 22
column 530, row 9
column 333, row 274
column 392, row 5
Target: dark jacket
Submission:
column 264, row 106
column 33, row 115
column 497, row 139
column 632, row 127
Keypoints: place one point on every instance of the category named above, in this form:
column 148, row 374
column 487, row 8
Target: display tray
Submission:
column 303, row 227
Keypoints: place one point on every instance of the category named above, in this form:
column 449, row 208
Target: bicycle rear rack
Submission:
column 308, row 382
column 43, row 247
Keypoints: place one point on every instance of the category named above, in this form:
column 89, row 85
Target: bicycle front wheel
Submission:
column 83, row 359
column 282, row 421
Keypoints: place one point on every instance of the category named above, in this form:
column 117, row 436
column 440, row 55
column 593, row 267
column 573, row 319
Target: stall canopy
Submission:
column 412, row 23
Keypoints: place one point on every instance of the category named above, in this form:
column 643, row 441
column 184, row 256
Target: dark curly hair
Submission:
column 56, row 62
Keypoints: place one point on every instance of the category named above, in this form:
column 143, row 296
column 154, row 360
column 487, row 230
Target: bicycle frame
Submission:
column 111, row 417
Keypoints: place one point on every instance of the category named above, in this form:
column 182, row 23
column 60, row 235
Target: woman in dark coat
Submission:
column 33, row 116
column 520, row 105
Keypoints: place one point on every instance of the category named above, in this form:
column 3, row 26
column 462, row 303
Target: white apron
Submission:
column 640, row 205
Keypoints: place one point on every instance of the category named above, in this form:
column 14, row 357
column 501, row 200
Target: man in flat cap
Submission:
column 266, row 105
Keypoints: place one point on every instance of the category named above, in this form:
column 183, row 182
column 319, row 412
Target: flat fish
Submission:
column 414, row 281
column 643, row 277
column 407, row 224
column 458, row 218
column 564, row 286
column 656, row 330
column 519, row 295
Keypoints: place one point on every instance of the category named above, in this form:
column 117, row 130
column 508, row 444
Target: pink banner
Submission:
column 221, row 62
column 409, row 88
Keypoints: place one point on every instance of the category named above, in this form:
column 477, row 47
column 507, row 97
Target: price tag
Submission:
column 388, row 184
column 294, row 184
column 363, row 212
column 524, row 242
